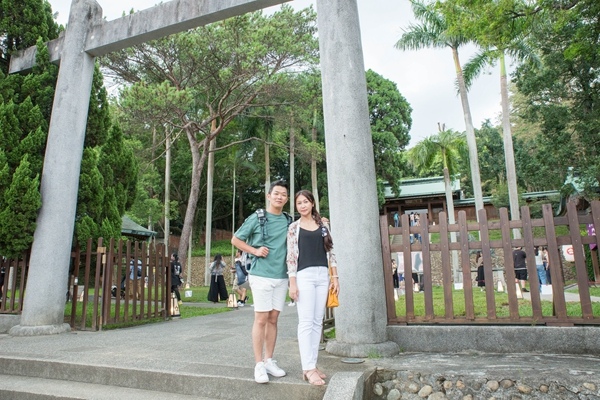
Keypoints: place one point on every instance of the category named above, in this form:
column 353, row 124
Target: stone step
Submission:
column 207, row 382
column 27, row 388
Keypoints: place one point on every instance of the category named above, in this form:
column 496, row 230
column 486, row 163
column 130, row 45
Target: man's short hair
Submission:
column 279, row 182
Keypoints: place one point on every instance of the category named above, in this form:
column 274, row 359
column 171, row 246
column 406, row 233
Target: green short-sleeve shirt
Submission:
column 272, row 266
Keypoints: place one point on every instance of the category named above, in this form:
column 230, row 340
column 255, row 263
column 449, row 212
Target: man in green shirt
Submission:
column 267, row 276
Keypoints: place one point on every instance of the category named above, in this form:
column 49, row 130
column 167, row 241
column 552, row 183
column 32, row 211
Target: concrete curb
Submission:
column 346, row 385
column 494, row 339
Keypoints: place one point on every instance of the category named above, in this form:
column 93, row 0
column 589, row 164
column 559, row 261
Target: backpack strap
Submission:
column 262, row 219
column 261, row 214
column 290, row 219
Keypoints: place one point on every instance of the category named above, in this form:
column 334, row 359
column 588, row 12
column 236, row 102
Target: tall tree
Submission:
column 25, row 107
column 433, row 31
column 445, row 147
column 22, row 23
column 494, row 28
column 561, row 94
column 390, row 120
column 214, row 73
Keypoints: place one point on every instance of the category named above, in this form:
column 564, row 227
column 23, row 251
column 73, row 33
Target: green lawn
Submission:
column 480, row 305
column 496, row 234
column 199, row 296
column 594, row 291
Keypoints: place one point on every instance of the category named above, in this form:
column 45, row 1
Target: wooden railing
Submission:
column 534, row 232
column 13, row 274
column 94, row 288
column 143, row 297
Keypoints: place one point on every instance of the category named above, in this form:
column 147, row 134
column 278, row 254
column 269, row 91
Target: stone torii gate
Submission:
column 361, row 319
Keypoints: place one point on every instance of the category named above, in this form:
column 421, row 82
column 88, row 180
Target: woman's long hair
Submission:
column 327, row 240
column 218, row 258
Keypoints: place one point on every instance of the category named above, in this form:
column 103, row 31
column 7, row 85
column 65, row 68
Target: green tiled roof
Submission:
column 422, row 187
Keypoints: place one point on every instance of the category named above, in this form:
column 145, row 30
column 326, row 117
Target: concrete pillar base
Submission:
column 362, row 350
column 7, row 321
column 20, row 330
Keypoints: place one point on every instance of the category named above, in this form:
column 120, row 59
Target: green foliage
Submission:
column 500, row 195
column 25, row 108
column 561, row 93
column 443, row 148
column 390, row 120
column 480, row 305
column 22, row 23
column 219, row 246
column 22, row 201
column 215, row 73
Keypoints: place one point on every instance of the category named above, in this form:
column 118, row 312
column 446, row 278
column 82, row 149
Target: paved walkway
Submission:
column 210, row 357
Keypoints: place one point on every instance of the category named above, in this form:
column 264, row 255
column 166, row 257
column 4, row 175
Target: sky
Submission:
column 426, row 78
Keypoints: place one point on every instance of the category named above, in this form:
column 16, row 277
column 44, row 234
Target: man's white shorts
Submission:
column 268, row 293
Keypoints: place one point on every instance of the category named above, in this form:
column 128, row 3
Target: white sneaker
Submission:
column 260, row 373
column 292, row 304
column 273, row 369
column 240, row 304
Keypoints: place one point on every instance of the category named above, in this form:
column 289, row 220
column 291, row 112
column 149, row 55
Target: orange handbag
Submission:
column 332, row 297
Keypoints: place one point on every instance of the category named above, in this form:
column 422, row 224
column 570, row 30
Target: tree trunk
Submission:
column 233, row 205
column 210, row 172
column 471, row 141
column 292, row 168
column 197, row 167
column 267, row 171
column 451, row 220
column 167, row 188
column 509, row 154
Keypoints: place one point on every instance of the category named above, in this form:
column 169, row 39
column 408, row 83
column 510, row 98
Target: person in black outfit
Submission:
column 217, row 282
column 2, row 273
column 176, row 280
column 519, row 260
column 395, row 279
column 480, row 274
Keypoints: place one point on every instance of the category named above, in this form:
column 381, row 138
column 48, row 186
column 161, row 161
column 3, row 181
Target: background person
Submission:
column 240, row 270
column 176, row 276
column 135, row 275
column 217, row 290
column 546, row 265
column 480, row 273
column 267, row 277
column 519, row 260
column 395, row 279
column 309, row 253
column 539, row 267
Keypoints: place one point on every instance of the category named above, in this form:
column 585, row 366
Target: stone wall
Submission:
column 395, row 385
column 198, row 268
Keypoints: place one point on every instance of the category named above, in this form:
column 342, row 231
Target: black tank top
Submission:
column 311, row 252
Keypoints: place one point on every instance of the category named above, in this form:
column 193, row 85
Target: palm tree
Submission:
column 444, row 147
column 488, row 56
column 433, row 32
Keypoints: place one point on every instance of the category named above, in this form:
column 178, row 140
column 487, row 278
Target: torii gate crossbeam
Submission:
column 149, row 24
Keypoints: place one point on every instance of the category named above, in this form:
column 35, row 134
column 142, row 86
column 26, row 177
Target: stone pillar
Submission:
column 361, row 319
column 44, row 303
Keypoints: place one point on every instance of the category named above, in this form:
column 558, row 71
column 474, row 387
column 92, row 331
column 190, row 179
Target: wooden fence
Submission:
column 13, row 274
column 497, row 308
column 101, row 290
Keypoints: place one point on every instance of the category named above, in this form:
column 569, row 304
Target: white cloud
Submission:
column 425, row 77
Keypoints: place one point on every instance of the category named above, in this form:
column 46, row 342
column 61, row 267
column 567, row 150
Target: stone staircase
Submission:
column 26, row 378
